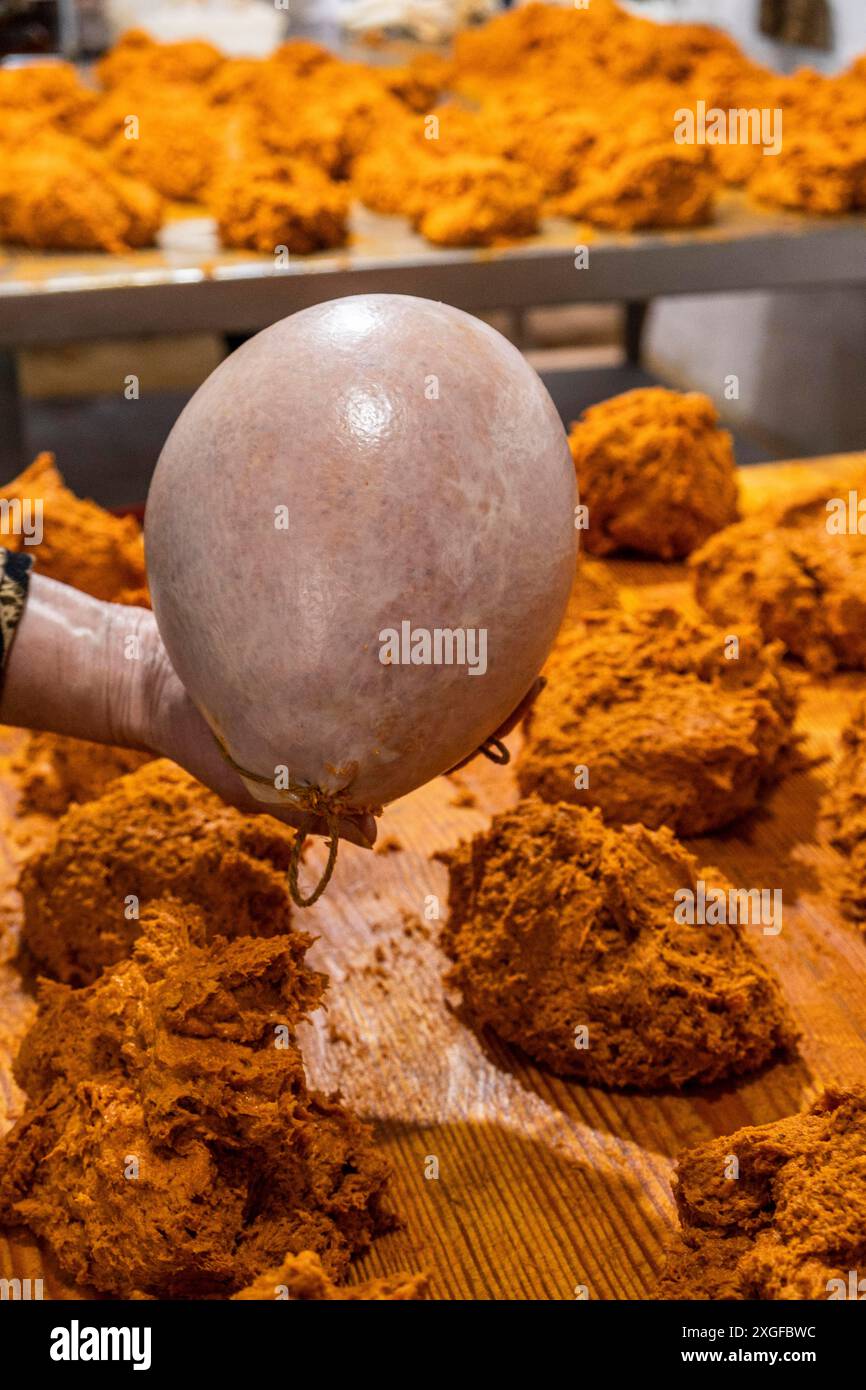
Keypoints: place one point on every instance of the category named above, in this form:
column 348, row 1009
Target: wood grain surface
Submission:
column 544, row 1185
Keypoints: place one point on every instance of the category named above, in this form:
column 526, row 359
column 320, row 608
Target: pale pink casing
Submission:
column 425, row 477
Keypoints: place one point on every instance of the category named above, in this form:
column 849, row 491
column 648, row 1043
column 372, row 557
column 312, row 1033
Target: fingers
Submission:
column 517, row 714
column 184, row 736
column 360, row 830
column 522, row 709
column 367, row 827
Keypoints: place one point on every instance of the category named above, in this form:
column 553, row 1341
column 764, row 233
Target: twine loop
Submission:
column 494, row 749
column 316, row 803
column 295, row 860
column 328, row 808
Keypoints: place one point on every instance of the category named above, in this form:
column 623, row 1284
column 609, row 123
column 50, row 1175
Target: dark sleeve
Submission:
column 14, row 582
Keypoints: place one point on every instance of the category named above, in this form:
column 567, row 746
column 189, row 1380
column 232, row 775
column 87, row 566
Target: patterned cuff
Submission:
column 15, row 570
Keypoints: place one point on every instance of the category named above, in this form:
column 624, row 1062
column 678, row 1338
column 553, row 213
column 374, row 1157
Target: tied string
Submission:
column 494, row 749
column 328, row 808
column 309, row 799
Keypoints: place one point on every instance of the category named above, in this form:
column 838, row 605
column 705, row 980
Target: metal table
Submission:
column 188, row 284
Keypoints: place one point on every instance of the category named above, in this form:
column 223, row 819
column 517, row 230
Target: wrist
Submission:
column 133, row 661
column 68, row 670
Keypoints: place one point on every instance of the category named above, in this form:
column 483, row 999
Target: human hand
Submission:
column 519, row 713
column 170, row 724
column 99, row 671
column 93, row 670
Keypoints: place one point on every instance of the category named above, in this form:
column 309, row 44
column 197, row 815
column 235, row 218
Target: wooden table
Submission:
column 546, row 1184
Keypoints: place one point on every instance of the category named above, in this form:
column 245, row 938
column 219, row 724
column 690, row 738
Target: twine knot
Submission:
column 327, row 806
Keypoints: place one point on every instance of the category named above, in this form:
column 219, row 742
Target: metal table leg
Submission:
column 11, row 417
column 634, row 320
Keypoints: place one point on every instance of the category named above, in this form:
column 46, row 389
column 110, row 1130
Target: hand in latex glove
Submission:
column 99, row 671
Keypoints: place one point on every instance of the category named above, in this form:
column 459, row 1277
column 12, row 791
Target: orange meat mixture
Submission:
column 559, row 111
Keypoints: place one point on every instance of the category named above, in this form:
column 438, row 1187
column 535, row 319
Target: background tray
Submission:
column 189, row 284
